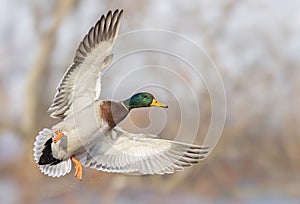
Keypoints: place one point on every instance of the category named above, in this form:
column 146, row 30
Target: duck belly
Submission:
column 76, row 140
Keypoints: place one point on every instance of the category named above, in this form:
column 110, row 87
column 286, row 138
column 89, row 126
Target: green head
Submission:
column 142, row 99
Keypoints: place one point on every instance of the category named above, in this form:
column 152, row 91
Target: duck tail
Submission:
column 44, row 158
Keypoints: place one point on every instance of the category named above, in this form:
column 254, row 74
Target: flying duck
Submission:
column 87, row 134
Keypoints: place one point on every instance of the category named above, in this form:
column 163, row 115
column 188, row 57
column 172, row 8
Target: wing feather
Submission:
column 89, row 61
column 142, row 154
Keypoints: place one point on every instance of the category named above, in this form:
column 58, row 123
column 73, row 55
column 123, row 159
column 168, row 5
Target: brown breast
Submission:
column 112, row 113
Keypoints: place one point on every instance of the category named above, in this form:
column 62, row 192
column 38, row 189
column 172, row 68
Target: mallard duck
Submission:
column 87, row 133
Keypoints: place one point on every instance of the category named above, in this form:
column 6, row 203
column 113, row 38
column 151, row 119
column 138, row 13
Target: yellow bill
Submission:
column 158, row 104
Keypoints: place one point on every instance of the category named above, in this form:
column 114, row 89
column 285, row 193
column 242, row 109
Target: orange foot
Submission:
column 58, row 136
column 78, row 168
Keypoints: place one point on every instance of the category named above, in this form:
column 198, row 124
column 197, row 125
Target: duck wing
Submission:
column 92, row 57
column 126, row 152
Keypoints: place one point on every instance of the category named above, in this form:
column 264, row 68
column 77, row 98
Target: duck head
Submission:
column 142, row 99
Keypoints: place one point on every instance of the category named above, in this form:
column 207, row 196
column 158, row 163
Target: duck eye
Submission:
column 145, row 96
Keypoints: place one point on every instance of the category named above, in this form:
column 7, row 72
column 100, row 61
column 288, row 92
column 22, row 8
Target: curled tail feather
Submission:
column 44, row 158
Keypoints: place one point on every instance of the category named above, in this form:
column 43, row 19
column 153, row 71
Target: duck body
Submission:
column 79, row 134
column 73, row 143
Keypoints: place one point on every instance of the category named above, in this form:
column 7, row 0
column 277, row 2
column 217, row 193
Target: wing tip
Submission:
column 106, row 28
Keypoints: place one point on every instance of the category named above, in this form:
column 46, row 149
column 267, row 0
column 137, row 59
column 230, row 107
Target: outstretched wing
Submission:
column 142, row 154
column 92, row 56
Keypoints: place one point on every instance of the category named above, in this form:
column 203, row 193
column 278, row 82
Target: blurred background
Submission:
column 255, row 45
